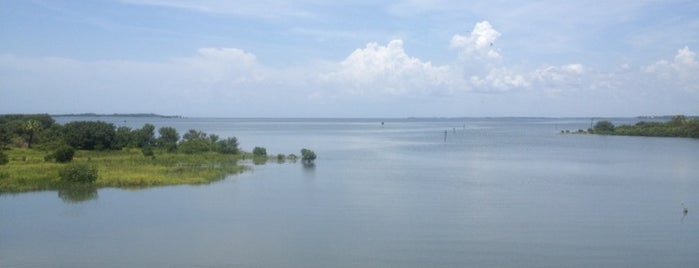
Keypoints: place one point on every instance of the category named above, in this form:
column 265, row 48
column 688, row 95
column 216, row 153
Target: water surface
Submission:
column 498, row 192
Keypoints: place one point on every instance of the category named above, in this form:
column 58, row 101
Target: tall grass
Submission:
column 128, row 168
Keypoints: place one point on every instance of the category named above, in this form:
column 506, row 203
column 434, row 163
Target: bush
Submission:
column 307, row 155
column 227, row 146
column 63, row 154
column 147, row 151
column 194, row 141
column 604, row 127
column 194, row 146
column 3, row 158
column 259, row 152
column 78, row 172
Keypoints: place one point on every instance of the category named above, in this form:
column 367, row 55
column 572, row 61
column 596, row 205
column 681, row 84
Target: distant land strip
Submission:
column 120, row 115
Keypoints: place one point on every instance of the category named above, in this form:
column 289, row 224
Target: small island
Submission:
column 36, row 154
column 678, row 126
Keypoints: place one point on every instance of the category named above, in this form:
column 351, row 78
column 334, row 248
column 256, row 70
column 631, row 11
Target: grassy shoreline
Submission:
column 127, row 168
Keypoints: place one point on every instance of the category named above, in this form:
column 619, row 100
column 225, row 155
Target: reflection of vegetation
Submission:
column 678, row 126
column 309, row 166
column 259, row 160
column 281, row 158
column 78, row 192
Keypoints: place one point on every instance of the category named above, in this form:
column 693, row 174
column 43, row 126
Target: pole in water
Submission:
column 445, row 136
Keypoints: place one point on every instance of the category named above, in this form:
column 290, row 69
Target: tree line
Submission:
column 41, row 130
column 677, row 126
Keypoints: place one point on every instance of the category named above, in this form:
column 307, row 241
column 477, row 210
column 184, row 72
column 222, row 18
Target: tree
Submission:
column 194, row 141
column 32, row 126
column 5, row 135
column 678, row 120
column 168, row 138
column 123, row 137
column 145, row 137
column 213, row 138
column 307, row 155
column 193, row 134
column 603, row 127
column 227, row 146
column 259, row 152
column 89, row 135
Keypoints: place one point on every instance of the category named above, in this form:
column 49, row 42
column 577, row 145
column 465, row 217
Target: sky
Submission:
column 313, row 58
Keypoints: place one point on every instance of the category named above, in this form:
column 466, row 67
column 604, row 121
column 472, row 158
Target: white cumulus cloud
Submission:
column 681, row 72
column 479, row 44
column 684, row 66
column 499, row 80
column 381, row 70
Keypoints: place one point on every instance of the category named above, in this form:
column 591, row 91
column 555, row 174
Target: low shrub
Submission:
column 64, row 154
column 3, row 158
column 194, row 146
column 227, row 146
column 147, row 151
column 78, row 172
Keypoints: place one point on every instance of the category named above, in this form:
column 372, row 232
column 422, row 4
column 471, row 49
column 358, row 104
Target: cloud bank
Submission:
column 232, row 82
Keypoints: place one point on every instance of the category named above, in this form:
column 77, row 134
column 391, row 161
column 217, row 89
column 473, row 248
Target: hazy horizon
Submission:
column 146, row 115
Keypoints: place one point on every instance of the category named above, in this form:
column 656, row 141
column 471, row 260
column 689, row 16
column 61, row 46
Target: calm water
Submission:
column 497, row 193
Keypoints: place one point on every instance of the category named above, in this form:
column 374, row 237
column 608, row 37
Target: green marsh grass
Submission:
column 128, row 168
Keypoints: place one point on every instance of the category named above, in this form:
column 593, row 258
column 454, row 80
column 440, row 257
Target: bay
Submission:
column 497, row 192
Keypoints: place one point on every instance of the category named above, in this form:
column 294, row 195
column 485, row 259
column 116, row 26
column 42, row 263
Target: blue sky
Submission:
column 312, row 58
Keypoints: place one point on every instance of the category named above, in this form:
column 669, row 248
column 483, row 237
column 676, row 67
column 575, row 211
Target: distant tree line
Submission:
column 678, row 126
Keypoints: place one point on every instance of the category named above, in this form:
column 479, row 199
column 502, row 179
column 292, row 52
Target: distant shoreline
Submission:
column 117, row 114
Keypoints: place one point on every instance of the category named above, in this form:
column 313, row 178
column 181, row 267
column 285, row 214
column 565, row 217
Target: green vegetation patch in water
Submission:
column 128, row 168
